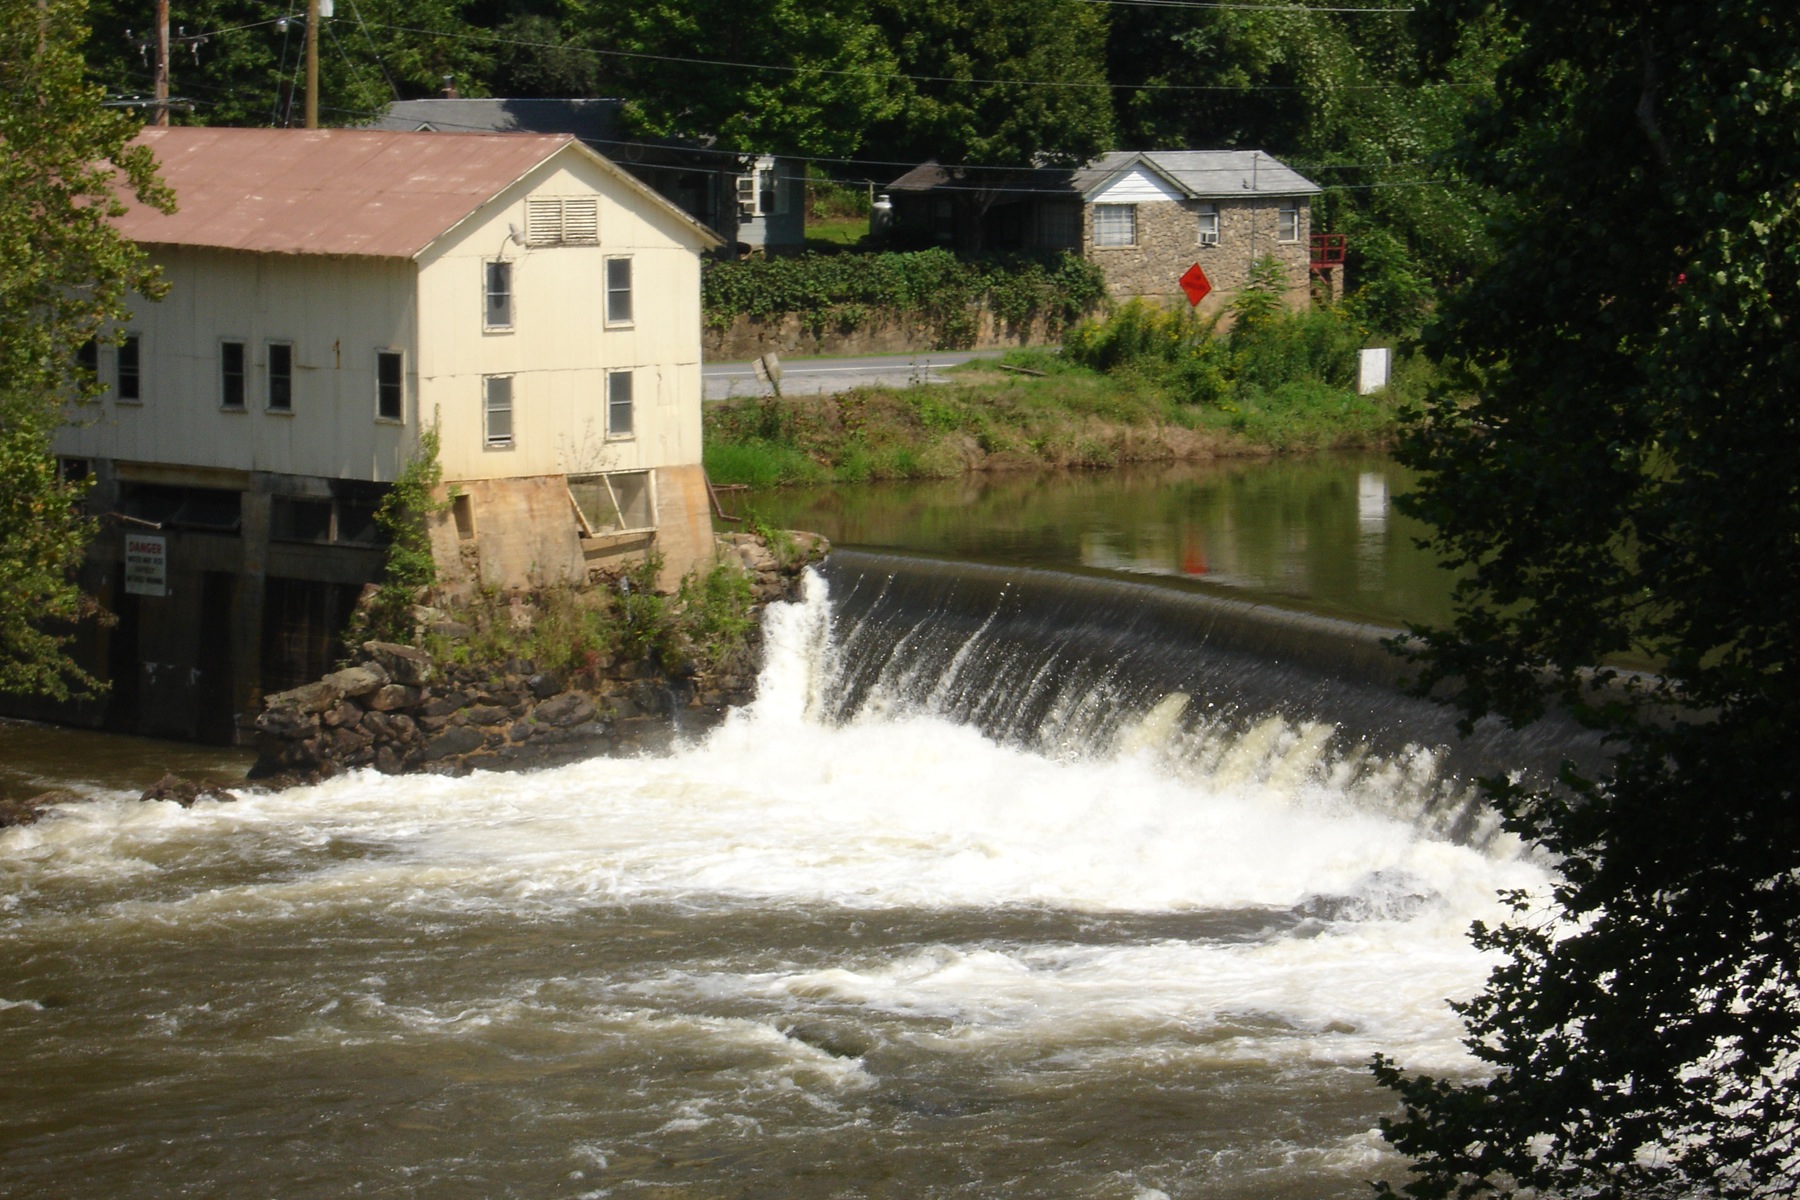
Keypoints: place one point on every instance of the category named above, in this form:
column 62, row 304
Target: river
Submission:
column 951, row 910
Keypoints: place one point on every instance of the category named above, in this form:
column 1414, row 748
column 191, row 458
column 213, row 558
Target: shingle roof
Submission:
column 1199, row 174
column 590, row 120
column 327, row 191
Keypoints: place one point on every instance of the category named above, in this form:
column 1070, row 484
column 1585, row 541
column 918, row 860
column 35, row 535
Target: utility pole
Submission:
column 312, row 64
column 162, row 63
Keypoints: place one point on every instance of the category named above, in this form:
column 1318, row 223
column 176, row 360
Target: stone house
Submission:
column 756, row 201
column 1144, row 217
column 332, row 293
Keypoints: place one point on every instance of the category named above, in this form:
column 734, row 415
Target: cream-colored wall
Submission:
column 336, row 312
column 560, row 348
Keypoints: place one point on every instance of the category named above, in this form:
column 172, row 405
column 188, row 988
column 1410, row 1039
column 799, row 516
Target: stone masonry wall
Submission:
column 1168, row 243
column 396, row 710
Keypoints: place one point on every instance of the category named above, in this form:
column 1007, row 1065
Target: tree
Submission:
column 249, row 68
column 995, row 84
column 64, row 272
column 1616, row 475
column 1363, row 101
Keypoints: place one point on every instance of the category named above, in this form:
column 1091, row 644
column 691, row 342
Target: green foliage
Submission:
column 822, row 73
column 1366, row 103
column 705, row 624
column 64, row 275
column 1612, row 467
column 1266, row 350
column 931, row 287
column 1264, row 295
column 402, row 517
column 977, row 71
column 248, row 71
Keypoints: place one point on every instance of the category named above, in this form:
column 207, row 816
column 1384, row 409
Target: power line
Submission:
column 1280, row 8
column 1066, row 85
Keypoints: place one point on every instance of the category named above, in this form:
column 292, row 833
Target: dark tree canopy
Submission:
column 1616, row 470
column 64, row 272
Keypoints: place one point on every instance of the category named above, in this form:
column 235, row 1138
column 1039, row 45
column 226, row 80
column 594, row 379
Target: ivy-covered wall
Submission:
column 923, row 300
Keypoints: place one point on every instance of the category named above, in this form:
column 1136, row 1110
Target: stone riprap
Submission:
column 395, row 709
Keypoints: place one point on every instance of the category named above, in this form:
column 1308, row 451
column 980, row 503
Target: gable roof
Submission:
column 1196, row 174
column 355, row 192
column 589, row 120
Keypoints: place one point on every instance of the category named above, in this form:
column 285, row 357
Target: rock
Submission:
column 307, row 698
column 287, row 722
column 345, row 714
column 394, row 695
column 443, row 706
column 458, row 739
column 404, row 664
column 570, row 708
column 185, row 791
column 388, row 762
column 377, row 725
column 404, row 727
column 487, row 714
column 521, row 731
column 544, row 685
column 357, row 681
column 24, row 812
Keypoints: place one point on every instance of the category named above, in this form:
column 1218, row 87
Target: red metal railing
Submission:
column 1327, row 251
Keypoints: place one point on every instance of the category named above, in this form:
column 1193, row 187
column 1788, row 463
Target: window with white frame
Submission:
column 1287, row 222
column 1115, row 225
column 1208, row 215
column 390, row 385
column 618, row 291
column 616, row 502
column 497, row 411
column 231, row 374
column 618, row 404
column 280, row 381
column 497, row 311
column 562, row 221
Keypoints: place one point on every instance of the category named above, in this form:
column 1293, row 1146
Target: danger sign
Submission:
column 147, row 564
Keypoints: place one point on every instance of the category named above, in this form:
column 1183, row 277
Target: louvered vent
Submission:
column 543, row 222
column 581, row 222
column 567, row 222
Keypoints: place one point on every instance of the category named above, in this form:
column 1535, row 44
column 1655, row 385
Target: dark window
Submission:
column 618, row 404
column 211, row 510
column 293, row 519
column 281, row 376
column 231, row 374
column 390, row 393
column 499, row 296
column 131, row 383
column 88, row 357
column 618, row 289
column 499, row 410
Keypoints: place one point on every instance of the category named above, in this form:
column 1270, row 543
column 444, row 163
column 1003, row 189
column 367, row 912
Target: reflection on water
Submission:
column 1321, row 531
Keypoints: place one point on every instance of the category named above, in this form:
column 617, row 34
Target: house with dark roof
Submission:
column 754, row 200
column 1144, row 217
column 332, row 294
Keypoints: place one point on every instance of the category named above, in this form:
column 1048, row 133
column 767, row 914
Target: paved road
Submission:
column 821, row 376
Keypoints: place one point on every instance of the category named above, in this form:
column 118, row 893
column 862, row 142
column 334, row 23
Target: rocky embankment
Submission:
column 396, row 709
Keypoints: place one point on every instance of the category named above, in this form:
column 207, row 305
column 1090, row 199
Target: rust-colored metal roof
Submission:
column 327, row 191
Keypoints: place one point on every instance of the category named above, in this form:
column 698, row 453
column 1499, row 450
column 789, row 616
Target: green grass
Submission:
column 837, row 233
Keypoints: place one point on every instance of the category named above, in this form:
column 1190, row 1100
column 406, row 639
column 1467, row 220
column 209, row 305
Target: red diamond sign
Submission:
column 1195, row 284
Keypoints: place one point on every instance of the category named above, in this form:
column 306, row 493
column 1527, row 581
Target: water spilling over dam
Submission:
column 1008, row 883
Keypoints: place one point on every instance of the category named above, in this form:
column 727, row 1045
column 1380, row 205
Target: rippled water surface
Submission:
column 876, row 956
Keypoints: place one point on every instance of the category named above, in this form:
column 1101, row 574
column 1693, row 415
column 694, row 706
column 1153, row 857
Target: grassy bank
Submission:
column 1142, row 386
